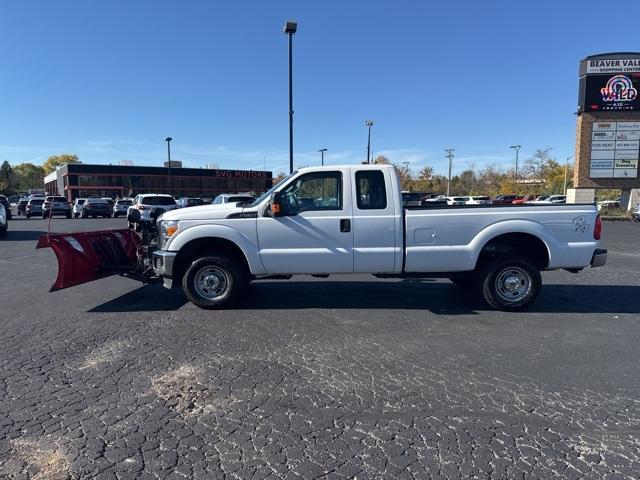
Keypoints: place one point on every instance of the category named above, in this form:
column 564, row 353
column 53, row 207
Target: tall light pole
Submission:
column 168, row 140
column 517, row 149
column 290, row 28
column 369, row 124
column 322, row 150
column 566, row 166
column 449, row 155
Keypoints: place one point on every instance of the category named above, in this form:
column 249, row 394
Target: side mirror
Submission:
column 277, row 209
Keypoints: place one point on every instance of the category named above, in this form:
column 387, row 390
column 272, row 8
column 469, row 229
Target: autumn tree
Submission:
column 27, row 175
column 55, row 161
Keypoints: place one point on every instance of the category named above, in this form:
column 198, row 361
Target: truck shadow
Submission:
column 22, row 235
column 441, row 298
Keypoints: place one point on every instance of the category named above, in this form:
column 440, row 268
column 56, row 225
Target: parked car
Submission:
column 111, row 202
column 14, row 199
column 185, row 202
column 526, row 198
column 456, row 201
column 4, row 201
column 478, row 200
column 232, row 198
column 95, row 207
column 412, row 199
column 608, row 204
column 121, row 207
column 34, row 207
column 433, row 200
column 54, row 205
column 4, row 225
column 22, row 206
column 213, row 251
column 146, row 201
column 505, row 199
column 77, row 206
column 551, row 199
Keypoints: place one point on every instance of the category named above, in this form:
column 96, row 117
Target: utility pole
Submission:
column 566, row 167
column 517, row 149
column 290, row 28
column 168, row 140
column 449, row 155
column 322, row 150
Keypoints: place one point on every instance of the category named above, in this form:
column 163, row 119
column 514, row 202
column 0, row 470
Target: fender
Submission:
column 248, row 247
column 502, row 227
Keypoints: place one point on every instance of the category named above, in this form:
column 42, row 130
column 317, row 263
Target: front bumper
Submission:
column 599, row 258
column 163, row 264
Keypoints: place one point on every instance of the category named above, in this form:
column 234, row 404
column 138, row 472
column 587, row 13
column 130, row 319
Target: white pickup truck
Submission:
column 350, row 219
column 339, row 219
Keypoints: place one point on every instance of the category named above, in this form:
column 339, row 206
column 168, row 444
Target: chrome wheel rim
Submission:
column 513, row 284
column 211, row 282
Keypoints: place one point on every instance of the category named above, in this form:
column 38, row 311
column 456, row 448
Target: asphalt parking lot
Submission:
column 338, row 378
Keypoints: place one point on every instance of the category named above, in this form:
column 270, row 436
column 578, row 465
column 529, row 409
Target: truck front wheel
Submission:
column 510, row 283
column 213, row 282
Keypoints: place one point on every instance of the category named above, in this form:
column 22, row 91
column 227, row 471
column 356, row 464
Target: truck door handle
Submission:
column 345, row 225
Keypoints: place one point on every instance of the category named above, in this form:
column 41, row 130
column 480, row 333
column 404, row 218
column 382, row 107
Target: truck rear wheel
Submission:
column 213, row 282
column 510, row 283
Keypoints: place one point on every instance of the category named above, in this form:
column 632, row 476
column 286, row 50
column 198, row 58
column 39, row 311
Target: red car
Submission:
column 505, row 199
column 526, row 198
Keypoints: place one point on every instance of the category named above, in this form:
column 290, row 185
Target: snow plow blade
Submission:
column 87, row 256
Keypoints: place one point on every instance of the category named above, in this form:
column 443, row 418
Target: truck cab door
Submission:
column 315, row 232
column 377, row 222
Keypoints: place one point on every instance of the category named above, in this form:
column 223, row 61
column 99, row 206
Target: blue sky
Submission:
column 110, row 80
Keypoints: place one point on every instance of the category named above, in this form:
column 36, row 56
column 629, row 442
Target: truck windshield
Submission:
column 268, row 193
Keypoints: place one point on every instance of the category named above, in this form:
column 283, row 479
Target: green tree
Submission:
column 55, row 161
column 7, row 180
column 28, row 175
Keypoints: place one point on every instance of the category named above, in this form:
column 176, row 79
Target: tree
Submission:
column 55, row 161
column 28, row 175
column 278, row 177
column 7, row 180
column 382, row 160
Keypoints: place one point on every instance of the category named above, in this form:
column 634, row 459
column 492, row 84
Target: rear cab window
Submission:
column 371, row 191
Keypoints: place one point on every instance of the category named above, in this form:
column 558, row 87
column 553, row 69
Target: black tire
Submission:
column 76, row 215
column 465, row 281
column 44, row 215
column 3, row 231
column 221, row 269
column 28, row 215
column 84, row 215
column 510, row 283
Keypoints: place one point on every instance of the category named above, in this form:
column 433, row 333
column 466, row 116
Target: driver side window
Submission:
column 312, row 192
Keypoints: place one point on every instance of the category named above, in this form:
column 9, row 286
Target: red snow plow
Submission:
column 87, row 256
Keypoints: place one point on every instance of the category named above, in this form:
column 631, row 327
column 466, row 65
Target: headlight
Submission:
column 166, row 228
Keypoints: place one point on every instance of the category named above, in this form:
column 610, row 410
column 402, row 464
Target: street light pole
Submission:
column 369, row 124
column 322, row 150
column 566, row 166
column 290, row 28
column 517, row 149
column 449, row 155
column 168, row 140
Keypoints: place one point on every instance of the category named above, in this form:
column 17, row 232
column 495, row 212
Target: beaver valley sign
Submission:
column 625, row 65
